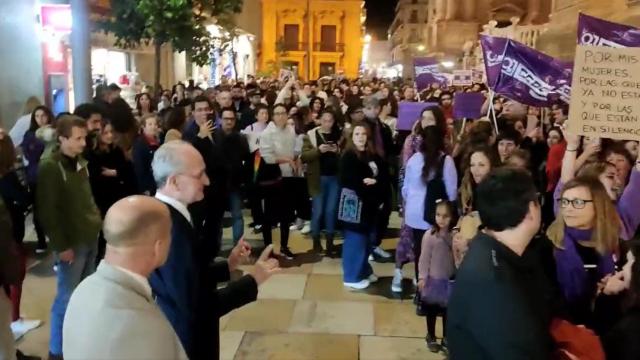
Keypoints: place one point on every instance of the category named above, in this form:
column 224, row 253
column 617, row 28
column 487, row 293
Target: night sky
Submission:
column 380, row 14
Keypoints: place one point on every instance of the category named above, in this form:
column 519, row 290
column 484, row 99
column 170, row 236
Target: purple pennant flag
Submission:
column 492, row 51
column 597, row 32
column 427, row 72
column 531, row 77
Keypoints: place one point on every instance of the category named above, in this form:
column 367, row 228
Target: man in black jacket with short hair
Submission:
column 501, row 303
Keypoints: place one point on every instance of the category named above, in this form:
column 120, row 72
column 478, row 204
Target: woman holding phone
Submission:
column 320, row 151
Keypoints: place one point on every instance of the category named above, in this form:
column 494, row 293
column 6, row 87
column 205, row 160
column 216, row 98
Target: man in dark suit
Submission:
column 186, row 286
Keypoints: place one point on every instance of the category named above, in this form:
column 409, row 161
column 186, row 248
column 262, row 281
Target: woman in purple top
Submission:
column 32, row 148
column 609, row 175
column 585, row 236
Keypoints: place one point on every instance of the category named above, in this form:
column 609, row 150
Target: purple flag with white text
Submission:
column 427, row 72
column 598, row 32
column 492, row 51
column 531, row 77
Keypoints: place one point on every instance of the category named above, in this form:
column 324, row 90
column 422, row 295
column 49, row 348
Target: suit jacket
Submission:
column 186, row 289
column 112, row 316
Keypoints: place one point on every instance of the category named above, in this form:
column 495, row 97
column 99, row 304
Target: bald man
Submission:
column 112, row 314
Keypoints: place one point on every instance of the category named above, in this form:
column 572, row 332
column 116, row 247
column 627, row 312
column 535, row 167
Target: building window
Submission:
column 414, row 17
column 328, row 38
column 291, row 36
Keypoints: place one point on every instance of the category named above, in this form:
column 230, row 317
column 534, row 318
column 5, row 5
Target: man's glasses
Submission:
column 576, row 203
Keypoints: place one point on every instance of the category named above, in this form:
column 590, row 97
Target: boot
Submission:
column 317, row 246
column 331, row 250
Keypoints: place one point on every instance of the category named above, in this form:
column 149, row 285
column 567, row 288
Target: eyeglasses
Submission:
column 576, row 203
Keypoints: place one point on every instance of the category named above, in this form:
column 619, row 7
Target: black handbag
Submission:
column 265, row 174
column 436, row 192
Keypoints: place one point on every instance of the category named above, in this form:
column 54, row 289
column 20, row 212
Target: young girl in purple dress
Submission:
column 436, row 268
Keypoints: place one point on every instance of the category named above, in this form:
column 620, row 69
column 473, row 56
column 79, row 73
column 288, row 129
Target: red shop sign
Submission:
column 56, row 18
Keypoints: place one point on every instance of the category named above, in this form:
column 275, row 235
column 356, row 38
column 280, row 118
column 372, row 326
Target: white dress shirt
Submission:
column 182, row 208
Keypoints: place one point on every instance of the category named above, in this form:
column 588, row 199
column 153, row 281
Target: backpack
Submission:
column 436, row 192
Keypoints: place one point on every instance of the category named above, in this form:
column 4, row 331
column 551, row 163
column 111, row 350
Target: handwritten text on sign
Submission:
column 605, row 93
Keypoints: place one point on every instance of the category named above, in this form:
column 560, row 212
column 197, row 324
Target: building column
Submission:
column 452, row 10
column 81, row 51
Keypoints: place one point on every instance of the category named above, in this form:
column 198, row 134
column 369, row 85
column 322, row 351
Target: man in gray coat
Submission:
column 112, row 314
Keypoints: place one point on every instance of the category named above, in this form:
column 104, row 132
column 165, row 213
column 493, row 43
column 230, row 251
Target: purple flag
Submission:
column 492, row 51
column 468, row 105
column 409, row 112
column 427, row 72
column 598, row 32
column 531, row 77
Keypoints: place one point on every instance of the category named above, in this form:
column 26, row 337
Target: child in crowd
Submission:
column 436, row 268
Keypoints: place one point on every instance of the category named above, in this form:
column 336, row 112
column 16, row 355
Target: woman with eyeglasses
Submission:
column 585, row 236
column 626, row 197
column 277, row 147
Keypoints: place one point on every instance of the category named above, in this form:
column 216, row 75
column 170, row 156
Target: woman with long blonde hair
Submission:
column 585, row 235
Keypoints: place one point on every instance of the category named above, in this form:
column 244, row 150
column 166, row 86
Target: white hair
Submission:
column 168, row 160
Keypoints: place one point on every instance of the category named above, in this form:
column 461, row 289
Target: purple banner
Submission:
column 468, row 105
column 597, row 32
column 531, row 77
column 492, row 52
column 427, row 72
column 409, row 113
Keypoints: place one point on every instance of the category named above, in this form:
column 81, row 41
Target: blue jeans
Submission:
column 355, row 255
column 69, row 275
column 325, row 205
column 235, row 206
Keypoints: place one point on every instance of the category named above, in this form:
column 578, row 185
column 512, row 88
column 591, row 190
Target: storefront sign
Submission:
column 56, row 18
column 605, row 99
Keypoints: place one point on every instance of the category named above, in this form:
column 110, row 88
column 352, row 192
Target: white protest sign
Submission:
column 605, row 93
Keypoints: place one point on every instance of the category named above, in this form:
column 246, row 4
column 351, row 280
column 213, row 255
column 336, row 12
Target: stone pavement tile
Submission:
column 396, row 348
column 224, row 321
column 229, row 344
column 331, row 288
column 399, row 319
column 262, row 315
column 333, row 317
column 283, row 286
column 328, row 266
column 270, row 346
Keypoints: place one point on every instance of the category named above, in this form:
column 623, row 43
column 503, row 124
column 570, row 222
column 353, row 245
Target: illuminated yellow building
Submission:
column 313, row 37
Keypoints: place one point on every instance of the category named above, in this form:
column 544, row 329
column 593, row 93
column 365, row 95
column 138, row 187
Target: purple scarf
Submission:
column 572, row 276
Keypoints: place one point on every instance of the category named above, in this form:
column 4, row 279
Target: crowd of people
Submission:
column 518, row 230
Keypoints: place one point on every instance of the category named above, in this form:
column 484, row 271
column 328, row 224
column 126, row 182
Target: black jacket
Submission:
column 621, row 343
column 9, row 257
column 17, row 200
column 387, row 138
column 186, row 289
column 500, row 307
column 352, row 171
column 107, row 190
column 142, row 158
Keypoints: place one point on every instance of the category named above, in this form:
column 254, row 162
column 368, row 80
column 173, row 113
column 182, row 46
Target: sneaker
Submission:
column 306, row 228
column 362, row 284
column 41, row 250
column 293, row 227
column 396, row 283
column 443, row 346
column 55, row 357
column 371, row 258
column 373, row 278
column 21, row 356
column 381, row 253
column 432, row 344
column 22, row 326
column 286, row 253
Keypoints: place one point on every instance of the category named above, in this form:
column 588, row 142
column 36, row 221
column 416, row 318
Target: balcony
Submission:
column 526, row 34
column 336, row 47
column 287, row 46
